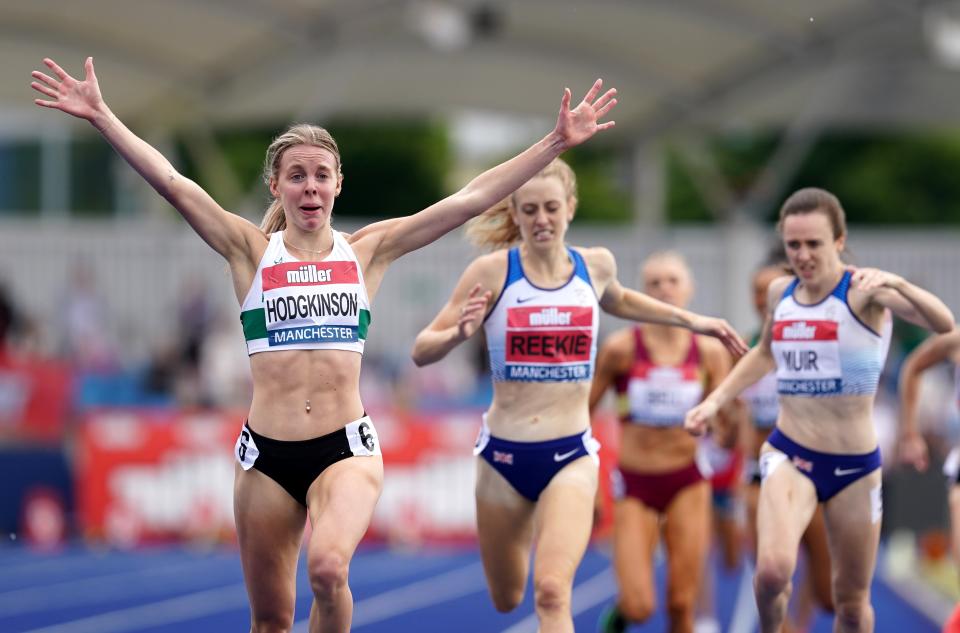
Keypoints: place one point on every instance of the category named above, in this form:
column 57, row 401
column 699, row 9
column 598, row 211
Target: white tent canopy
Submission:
column 676, row 63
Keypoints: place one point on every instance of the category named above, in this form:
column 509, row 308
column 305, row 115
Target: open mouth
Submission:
column 310, row 209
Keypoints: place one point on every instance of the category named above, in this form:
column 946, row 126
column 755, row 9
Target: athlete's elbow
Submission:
column 945, row 324
column 419, row 356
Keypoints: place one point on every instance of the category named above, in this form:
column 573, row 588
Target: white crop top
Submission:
column 823, row 349
column 295, row 304
column 540, row 334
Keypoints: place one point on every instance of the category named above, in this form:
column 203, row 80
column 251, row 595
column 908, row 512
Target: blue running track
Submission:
column 181, row 590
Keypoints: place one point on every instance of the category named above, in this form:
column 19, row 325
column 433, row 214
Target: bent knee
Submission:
column 773, row 575
column 271, row 623
column 681, row 603
column 328, row 574
column 506, row 600
column 551, row 593
column 637, row 608
column 853, row 615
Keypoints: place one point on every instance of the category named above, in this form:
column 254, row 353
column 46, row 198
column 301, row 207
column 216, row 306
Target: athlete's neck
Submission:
column 548, row 266
column 317, row 242
column 816, row 291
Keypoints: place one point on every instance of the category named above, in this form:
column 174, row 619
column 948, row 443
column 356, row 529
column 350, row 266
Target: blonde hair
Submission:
column 668, row 256
column 495, row 229
column 297, row 134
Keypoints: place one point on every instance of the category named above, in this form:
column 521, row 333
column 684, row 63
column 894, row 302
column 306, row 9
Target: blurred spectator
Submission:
column 195, row 316
column 224, row 373
column 7, row 317
column 86, row 327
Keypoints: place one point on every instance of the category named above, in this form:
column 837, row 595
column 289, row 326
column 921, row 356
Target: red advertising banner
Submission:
column 35, row 396
column 145, row 476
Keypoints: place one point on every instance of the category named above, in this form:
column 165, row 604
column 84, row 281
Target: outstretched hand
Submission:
column 80, row 98
column 473, row 311
column 720, row 329
column 697, row 420
column 580, row 123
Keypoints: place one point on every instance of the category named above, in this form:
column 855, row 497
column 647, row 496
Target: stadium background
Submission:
column 122, row 372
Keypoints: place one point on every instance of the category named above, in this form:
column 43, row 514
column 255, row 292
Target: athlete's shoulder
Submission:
column 776, row 289
column 599, row 260
column 710, row 347
column 488, row 268
column 621, row 338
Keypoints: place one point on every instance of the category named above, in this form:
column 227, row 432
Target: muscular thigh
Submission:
column 636, row 531
column 504, row 528
column 687, row 534
column 787, row 502
column 341, row 502
column 269, row 531
column 853, row 518
column 564, row 518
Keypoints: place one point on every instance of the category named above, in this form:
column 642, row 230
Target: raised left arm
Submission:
column 399, row 236
column 908, row 301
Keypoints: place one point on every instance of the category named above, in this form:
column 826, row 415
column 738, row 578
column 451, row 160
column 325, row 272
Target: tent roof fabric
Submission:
column 676, row 63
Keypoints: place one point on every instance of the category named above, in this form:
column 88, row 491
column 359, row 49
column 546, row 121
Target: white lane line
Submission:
column 745, row 618
column 180, row 609
column 926, row 601
column 106, row 587
column 586, row 595
column 425, row 593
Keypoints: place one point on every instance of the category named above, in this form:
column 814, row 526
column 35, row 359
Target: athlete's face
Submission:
column 761, row 282
column 307, row 184
column 543, row 212
column 668, row 279
column 812, row 251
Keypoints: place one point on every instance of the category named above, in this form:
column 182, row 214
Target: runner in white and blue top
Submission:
column 822, row 336
column 539, row 304
column 541, row 334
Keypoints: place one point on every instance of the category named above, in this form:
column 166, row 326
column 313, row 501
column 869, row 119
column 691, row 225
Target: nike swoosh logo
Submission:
column 525, row 299
column 557, row 457
column 840, row 472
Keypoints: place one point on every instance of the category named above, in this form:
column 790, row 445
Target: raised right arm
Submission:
column 754, row 365
column 226, row 233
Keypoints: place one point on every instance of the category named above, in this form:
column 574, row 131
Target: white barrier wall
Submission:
column 141, row 268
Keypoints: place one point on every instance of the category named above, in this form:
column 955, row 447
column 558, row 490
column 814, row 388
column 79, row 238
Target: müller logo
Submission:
column 550, row 316
column 799, row 330
column 308, row 274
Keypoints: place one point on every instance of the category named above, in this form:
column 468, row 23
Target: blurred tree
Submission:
column 879, row 178
column 602, row 191
column 390, row 167
column 91, row 177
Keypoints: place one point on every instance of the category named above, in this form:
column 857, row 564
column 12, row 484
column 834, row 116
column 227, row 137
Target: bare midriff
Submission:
column 838, row 424
column 652, row 449
column 284, row 382
column 535, row 412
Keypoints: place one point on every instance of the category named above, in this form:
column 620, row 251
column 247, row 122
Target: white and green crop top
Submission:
column 295, row 304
